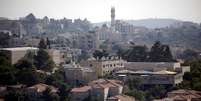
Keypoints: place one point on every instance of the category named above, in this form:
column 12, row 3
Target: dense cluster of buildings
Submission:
column 75, row 38
column 105, row 65
column 182, row 95
column 101, row 90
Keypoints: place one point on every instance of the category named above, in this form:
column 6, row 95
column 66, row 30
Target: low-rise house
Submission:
column 99, row 90
column 103, row 88
column 182, row 95
column 41, row 88
column 105, row 65
column 80, row 93
column 121, row 98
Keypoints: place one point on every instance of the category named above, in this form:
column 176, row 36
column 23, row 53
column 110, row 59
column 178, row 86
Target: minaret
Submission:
column 113, row 19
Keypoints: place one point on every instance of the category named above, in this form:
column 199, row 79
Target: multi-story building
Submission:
column 15, row 54
column 14, row 26
column 162, row 77
column 124, row 27
column 151, row 73
column 104, row 33
column 105, row 65
column 56, row 56
column 88, row 41
column 77, row 75
column 156, row 66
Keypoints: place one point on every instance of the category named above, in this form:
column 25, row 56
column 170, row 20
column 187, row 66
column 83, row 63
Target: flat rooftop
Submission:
column 162, row 72
column 19, row 48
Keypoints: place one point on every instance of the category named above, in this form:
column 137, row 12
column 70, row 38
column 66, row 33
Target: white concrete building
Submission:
column 15, row 54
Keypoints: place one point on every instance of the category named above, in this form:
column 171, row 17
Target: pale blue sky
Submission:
column 99, row 10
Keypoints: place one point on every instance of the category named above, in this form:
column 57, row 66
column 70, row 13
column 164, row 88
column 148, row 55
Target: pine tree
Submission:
column 42, row 44
column 43, row 61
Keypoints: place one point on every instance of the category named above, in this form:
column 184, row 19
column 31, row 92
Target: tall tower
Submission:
column 113, row 18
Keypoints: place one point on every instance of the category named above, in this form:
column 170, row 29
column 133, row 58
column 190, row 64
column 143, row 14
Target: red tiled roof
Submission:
column 81, row 89
column 104, row 83
column 42, row 87
column 121, row 98
column 186, row 93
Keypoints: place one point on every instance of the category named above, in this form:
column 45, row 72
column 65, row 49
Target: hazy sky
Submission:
column 99, row 10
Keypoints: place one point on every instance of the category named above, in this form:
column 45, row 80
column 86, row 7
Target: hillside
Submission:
column 149, row 23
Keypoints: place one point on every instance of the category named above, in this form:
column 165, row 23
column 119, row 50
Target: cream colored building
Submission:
column 104, row 65
column 150, row 73
column 152, row 78
column 15, row 54
column 56, row 56
column 152, row 66
column 75, row 74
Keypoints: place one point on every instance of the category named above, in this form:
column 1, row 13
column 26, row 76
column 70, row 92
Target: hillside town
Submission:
column 72, row 60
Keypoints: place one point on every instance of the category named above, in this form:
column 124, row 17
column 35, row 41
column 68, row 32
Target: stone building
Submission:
column 98, row 90
column 77, row 75
column 15, row 54
column 105, row 65
column 156, row 66
column 162, row 77
column 151, row 73
column 56, row 56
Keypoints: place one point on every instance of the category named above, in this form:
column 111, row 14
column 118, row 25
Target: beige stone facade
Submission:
column 15, row 54
column 104, row 66
column 150, row 73
column 152, row 66
column 56, row 56
column 76, row 74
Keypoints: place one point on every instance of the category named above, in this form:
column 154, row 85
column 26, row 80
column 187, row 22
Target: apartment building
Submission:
column 105, row 65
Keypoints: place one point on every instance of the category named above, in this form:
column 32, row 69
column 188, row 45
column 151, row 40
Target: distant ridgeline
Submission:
column 180, row 35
